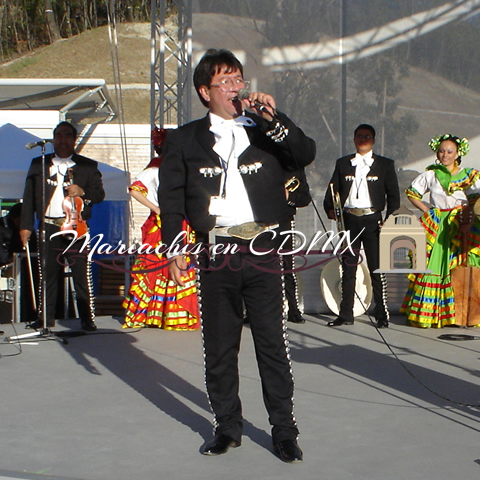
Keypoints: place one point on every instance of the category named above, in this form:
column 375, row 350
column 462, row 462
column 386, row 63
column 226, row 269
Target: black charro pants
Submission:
column 246, row 280
column 54, row 268
column 289, row 276
column 370, row 238
column 291, row 286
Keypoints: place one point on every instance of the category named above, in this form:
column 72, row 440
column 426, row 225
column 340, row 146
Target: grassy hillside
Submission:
column 89, row 55
column 438, row 104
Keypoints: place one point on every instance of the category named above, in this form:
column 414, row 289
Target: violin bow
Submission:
column 30, row 275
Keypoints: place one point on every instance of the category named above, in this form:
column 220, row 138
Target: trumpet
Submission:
column 337, row 209
column 338, row 212
column 292, row 184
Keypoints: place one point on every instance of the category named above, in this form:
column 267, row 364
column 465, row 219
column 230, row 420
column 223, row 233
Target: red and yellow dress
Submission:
column 430, row 300
column 153, row 300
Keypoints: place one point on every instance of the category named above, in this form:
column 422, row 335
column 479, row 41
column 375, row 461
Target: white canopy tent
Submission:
column 74, row 99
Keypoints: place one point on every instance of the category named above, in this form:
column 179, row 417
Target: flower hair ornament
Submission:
column 462, row 143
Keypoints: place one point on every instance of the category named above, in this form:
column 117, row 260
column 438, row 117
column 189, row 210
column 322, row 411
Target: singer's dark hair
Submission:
column 213, row 62
column 365, row 126
column 66, row 124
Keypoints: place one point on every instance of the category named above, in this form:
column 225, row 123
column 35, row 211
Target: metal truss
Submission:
column 171, row 62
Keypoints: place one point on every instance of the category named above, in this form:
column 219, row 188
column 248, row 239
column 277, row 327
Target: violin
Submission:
column 73, row 206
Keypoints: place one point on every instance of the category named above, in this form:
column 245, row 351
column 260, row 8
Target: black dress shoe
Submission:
column 295, row 318
column 289, row 451
column 339, row 321
column 219, row 445
column 382, row 323
column 89, row 326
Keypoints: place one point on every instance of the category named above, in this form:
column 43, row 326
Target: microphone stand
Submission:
column 44, row 332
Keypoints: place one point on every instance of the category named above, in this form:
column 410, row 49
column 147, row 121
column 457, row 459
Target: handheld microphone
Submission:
column 40, row 143
column 243, row 94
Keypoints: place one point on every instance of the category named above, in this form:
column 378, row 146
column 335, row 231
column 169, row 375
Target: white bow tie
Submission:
column 225, row 128
column 359, row 160
column 225, row 132
column 61, row 168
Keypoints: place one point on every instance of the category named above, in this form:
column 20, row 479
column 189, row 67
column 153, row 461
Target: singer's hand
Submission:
column 263, row 104
column 176, row 270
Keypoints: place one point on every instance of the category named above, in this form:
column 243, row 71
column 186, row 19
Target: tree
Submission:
column 309, row 96
column 28, row 24
column 375, row 83
column 53, row 29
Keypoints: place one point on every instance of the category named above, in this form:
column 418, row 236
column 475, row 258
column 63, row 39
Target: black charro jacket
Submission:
column 85, row 174
column 381, row 180
column 185, row 191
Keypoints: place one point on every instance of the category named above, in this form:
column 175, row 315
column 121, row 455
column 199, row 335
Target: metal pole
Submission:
column 343, row 81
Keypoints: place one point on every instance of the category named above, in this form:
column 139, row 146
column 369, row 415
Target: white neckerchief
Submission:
column 58, row 168
column 359, row 196
column 225, row 131
column 233, row 206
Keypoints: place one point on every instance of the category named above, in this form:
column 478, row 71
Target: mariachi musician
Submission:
column 72, row 185
column 366, row 183
column 298, row 195
column 226, row 173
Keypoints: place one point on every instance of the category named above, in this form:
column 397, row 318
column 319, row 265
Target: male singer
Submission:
column 226, row 174
column 66, row 174
column 366, row 182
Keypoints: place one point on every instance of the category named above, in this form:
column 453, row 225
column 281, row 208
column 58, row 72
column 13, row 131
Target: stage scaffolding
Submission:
column 408, row 68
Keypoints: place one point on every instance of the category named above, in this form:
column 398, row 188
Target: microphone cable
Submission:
column 412, row 375
column 407, row 369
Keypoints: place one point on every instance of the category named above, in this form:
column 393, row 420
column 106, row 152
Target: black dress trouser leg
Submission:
column 81, row 273
column 370, row 238
column 223, row 293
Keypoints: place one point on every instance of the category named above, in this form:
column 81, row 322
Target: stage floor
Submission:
column 123, row 405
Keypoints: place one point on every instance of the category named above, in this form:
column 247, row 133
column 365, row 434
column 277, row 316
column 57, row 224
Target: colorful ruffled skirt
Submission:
column 430, row 299
column 155, row 301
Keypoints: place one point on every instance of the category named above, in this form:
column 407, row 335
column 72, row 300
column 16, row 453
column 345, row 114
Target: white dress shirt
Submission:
column 359, row 196
column 59, row 168
column 232, row 205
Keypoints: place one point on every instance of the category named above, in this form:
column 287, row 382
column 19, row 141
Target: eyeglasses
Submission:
column 227, row 84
